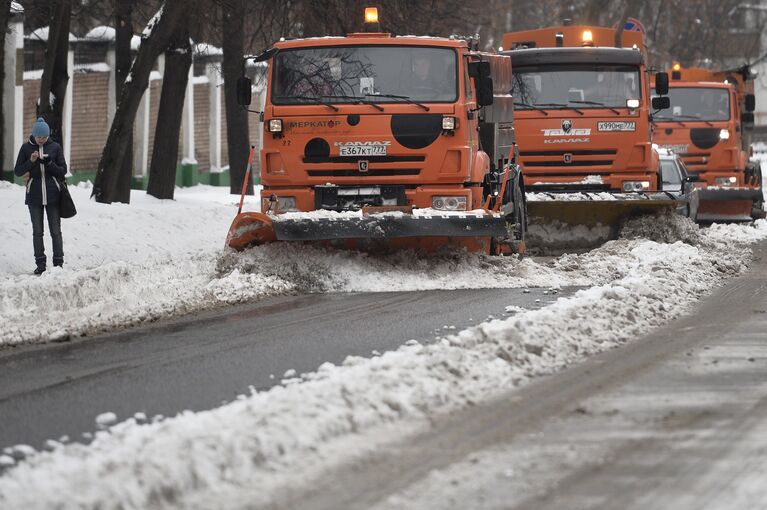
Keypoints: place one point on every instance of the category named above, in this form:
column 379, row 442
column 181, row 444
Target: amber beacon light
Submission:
column 371, row 15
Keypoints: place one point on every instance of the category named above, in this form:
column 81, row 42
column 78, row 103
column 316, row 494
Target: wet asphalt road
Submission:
column 197, row 362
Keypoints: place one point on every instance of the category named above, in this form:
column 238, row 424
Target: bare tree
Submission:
column 53, row 84
column 155, row 40
column 5, row 16
column 178, row 60
column 237, row 136
column 123, row 17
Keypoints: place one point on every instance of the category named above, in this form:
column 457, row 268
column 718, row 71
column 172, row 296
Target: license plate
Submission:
column 362, row 150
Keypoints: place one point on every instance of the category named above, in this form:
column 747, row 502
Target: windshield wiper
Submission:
column 405, row 98
column 304, row 98
column 528, row 105
column 357, row 100
column 693, row 117
column 597, row 103
column 669, row 119
column 561, row 105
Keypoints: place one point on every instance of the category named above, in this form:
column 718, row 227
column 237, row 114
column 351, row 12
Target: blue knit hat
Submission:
column 41, row 128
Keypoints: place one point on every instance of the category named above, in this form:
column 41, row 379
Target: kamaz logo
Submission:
column 567, row 125
column 361, row 144
column 568, row 140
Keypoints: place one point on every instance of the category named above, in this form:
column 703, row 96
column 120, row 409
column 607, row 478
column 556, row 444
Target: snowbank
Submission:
column 262, row 448
column 152, row 259
column 123, row 263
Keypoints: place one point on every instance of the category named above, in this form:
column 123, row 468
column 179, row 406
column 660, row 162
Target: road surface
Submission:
column 677, row 419
column 197, row 362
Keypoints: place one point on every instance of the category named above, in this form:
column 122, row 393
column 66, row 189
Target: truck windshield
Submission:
column 697, row 103
column 582, row 86
column 348, row 74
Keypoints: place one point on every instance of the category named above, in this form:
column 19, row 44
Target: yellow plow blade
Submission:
column 586, row 220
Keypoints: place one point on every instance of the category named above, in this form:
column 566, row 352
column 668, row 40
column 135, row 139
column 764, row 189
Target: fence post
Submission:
column 13, row 89
column 66, row 121
column 215, row 83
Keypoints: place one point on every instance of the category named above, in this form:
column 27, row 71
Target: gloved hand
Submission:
column 45, row 160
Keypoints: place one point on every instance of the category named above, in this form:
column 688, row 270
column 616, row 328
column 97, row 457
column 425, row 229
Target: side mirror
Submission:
column 483, row 82
column 479, row 69
column 661, row 103
column 750, row 102
column 747, row 118
column 661, row 84
column 244, row 91
column 485, row 91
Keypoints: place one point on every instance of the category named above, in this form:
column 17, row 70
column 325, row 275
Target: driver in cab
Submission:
column 426, row 82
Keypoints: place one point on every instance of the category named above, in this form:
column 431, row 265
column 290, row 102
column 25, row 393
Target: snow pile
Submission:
column 153, row 259
column 123, row 263
column 263, row 448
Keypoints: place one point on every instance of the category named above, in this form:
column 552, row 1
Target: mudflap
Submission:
column 375, row 232
column 730, row 205
column 585, row 221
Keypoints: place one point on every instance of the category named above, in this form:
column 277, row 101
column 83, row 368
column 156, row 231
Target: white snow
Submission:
column 100, row 67
column 207, row 49
column 41, row 34
column 101, row 34
column 35, row 74
column 106, row 419
column 152, row 23
column 264, row 446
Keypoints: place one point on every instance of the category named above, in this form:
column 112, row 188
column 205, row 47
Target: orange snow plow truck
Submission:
column 583, row 109
column 708, row 125
column 374, row 141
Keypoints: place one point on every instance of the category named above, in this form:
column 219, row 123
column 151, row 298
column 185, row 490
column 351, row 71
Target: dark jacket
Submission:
column 53, row 167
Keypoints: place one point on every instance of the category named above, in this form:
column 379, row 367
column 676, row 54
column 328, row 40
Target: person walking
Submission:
column 41, row 162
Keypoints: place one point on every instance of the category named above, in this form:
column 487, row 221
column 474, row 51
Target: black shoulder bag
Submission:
column 66, row 204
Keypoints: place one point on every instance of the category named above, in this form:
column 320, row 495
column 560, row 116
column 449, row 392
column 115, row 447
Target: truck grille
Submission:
column 695, row 158
column 313, row 160
column 373, row 172
column 577, row 158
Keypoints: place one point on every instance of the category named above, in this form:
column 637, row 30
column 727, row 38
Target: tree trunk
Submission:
column 118, row 142
column 5, row 16
column 53, row 85
column 237, row 137
column 123, row 60
column 178, row 60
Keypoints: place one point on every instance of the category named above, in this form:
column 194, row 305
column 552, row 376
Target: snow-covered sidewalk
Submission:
column 265, row 446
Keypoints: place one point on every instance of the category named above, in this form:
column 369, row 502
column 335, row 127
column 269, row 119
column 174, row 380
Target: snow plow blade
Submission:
column 586, row 220
column 430, row 232
column 729, row 204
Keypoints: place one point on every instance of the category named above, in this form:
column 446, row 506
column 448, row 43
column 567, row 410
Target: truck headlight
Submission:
column 724, row 134
column 275, row 125
column 726, row 181
column 449, row 123
column 629, row 186
column 449, row 203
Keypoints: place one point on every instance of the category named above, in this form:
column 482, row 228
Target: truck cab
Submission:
column 371, row 120
column 372, row 123
column 707, row 126
column 583, row 109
